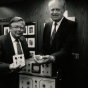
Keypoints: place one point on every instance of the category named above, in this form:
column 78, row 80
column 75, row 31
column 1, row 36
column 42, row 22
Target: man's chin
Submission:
column 55, row 19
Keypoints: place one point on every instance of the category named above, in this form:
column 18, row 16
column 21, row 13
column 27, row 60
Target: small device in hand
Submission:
column 19, row 60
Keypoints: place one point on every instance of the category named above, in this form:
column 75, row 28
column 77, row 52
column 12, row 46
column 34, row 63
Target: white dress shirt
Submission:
column 15, row 44
column 57, row 26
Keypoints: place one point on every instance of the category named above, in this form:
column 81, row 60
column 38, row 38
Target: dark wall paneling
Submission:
column 86, row 48
column 73, row 11
column 38, row 10
column 33, row 13
column 8, row 1
column 78, row 9
column 15, row 9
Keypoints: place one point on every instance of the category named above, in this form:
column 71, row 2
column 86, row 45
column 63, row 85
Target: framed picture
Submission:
column 44, row 24
column 31, row 42
column 32, row 53
column 71, row 18
column 25, row 32
column 6, row 30
column 31, row 29
column 27, row 40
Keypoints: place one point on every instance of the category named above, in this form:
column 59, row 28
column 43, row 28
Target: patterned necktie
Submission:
column 19, row 51
column 53, row 34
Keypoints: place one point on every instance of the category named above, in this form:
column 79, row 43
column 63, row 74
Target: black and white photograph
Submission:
column 55, row 32
column 25, row 31
column 31, row 42
column 32, row 53
column 31, row 29
column 6, row 30
column 27, row 40
column 44, row 24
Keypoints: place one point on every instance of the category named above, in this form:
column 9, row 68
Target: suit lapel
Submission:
column 9, row 46
column 23, row 45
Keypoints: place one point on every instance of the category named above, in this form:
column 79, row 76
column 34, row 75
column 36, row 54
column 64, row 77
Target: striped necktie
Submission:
column 53, row 33
column 19, row 50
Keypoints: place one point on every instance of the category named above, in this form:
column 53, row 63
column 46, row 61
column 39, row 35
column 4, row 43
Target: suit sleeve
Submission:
column 42, row 48
column 3, row 66
column 68, row 43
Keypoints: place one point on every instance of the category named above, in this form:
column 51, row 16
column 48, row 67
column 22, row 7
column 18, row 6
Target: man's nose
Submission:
column 54, row 11
column 20, row 29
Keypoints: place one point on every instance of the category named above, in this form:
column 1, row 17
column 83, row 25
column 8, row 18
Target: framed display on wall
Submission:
column 32, row 53
column 5, row 29
column 25, row 32
column 31, row 29
column 31, row 36
column 31, row 42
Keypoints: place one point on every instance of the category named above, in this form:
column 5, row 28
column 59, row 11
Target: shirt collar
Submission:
column 12, row 38
column 58, row 23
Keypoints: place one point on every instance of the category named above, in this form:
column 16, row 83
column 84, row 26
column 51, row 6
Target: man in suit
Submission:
column 58, row 39
column 8, row 48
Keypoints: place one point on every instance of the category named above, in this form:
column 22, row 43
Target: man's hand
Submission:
column 50, row 57
column 38, row 57
column 13, row 67
column 44, row 59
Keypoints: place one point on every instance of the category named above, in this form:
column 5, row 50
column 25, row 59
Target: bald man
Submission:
column 8, row 48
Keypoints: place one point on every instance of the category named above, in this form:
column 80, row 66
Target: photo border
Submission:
column 4, row 28
column 33, row 46
column 33, row 52
column 33, row 33
column 27, row 40
column 26, row 27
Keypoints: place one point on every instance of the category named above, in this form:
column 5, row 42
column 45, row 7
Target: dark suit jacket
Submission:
column 63, row 41
column 6, row 54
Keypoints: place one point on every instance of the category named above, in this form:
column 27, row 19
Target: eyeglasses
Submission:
column 17, row 27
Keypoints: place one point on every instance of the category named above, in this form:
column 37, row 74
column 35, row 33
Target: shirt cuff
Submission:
column 53, row 58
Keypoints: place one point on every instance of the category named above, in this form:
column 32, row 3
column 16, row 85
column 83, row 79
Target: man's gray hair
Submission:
column 58, row 1
column 15, row 19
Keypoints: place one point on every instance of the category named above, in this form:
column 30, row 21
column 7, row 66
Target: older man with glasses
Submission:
column 12, row 44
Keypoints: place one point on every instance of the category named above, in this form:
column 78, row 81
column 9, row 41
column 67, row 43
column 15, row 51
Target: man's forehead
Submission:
column 56, row 5
column 18, row 23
